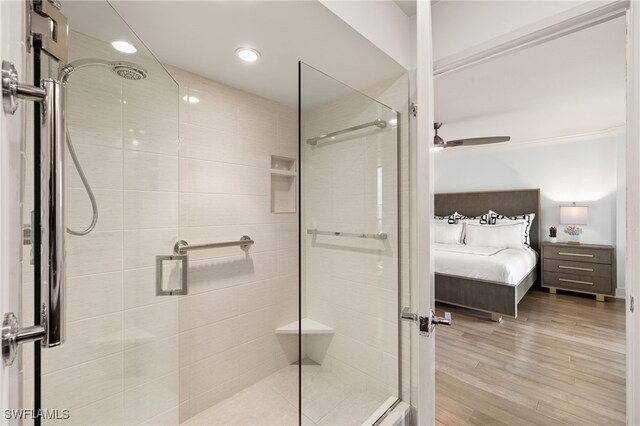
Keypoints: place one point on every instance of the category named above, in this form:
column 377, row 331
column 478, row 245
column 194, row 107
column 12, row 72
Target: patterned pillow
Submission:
column 527, row 219
column 482, row 219
column 456, row 217
column 451, row 219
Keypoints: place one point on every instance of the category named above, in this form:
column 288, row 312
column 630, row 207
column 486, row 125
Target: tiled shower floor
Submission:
column 326, row 400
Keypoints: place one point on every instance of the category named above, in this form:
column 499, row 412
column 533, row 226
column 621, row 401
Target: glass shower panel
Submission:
column 349, row 253
column 120, row 362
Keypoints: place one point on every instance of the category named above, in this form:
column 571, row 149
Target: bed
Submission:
column 492, row 281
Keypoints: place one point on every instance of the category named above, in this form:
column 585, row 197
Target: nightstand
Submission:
column 584, row 268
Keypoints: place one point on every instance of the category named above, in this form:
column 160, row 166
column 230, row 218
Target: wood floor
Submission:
column 562, row 361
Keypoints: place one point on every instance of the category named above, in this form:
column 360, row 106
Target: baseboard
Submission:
column 621, row 293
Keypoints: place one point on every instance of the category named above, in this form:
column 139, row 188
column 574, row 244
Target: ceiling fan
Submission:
column 440, row 144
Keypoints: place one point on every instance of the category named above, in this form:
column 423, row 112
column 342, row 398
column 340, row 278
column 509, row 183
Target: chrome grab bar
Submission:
column 378, row 123
column 182, row 247
column 381, row 236
column 52, row 328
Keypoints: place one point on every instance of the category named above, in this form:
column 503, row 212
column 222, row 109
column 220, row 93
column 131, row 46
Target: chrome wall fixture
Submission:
column 182, row 247
column 51, row 96
column 167, row 266
column 381, row 236
column 377, row 123
column 174, row 269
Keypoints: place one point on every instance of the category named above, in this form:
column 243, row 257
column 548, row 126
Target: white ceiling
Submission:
column 571, row 85
column 409, row 7
column 459, row 25
column 202, row 37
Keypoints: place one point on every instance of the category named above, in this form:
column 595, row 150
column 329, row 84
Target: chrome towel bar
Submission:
column 381, row 236
column 378, row 123
column 182, row 247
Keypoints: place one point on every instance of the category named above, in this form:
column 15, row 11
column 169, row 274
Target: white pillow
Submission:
column 448, row 233
column 500, row 236
column 526, row 219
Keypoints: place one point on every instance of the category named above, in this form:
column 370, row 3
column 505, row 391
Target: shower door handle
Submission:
column 52, row 328
column 428, row 323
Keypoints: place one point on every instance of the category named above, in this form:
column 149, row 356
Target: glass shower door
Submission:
column 119, row 363
column 349, row 253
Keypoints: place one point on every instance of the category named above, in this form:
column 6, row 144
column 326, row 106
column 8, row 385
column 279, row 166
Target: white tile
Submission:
column 101, row 165
column 150, row 172
column 212, row 339
column 148, row 324
column 203, row 143
column 86, row 340
column 150, row 209
column 80, row 212
column 230, row 364
column 83, row 384
column 105, row 412
column 217, row 273
column 217, row 108
column 146, row 401
column 223, row 209
column 142, row 246
column 287, row 262
column 168, row 418
column 213, row 177
column 94, row 295
column 97, row 252
column 148, row 362
column 140, row 288
column 207, row 308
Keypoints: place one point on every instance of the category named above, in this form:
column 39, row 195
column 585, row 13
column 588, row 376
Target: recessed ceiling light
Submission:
column 123, row 46
column 191, row 99
column 248, row 55
column 393, row 121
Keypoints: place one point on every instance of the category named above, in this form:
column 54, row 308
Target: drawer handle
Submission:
column 564, row 253
column 575, row 268
column 575, row 281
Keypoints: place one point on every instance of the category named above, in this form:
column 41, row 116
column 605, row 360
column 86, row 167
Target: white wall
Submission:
column 383, row 23
column 585, row 171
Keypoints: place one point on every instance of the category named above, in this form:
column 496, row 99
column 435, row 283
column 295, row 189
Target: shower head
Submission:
column 129, row 71
column 126, row 70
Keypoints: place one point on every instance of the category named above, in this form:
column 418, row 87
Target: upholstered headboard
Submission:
column 520, row 201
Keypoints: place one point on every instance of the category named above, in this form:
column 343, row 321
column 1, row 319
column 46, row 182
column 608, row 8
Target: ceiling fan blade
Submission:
column 479, row 141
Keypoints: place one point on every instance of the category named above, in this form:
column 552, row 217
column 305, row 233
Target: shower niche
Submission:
column 284, row 178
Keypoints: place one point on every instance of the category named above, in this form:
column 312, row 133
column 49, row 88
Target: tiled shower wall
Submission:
column 131, row 356
column 394, row 93
column 236, row 300
column 119, row 363
column 349, row 284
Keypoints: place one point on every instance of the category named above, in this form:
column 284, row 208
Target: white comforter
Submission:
column 507, row 266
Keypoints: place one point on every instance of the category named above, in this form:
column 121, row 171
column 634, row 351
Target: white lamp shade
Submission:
column 574, row 215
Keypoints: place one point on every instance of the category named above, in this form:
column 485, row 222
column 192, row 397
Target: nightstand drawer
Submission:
column 577, row 268
column 577, row 254
column 578, row 282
